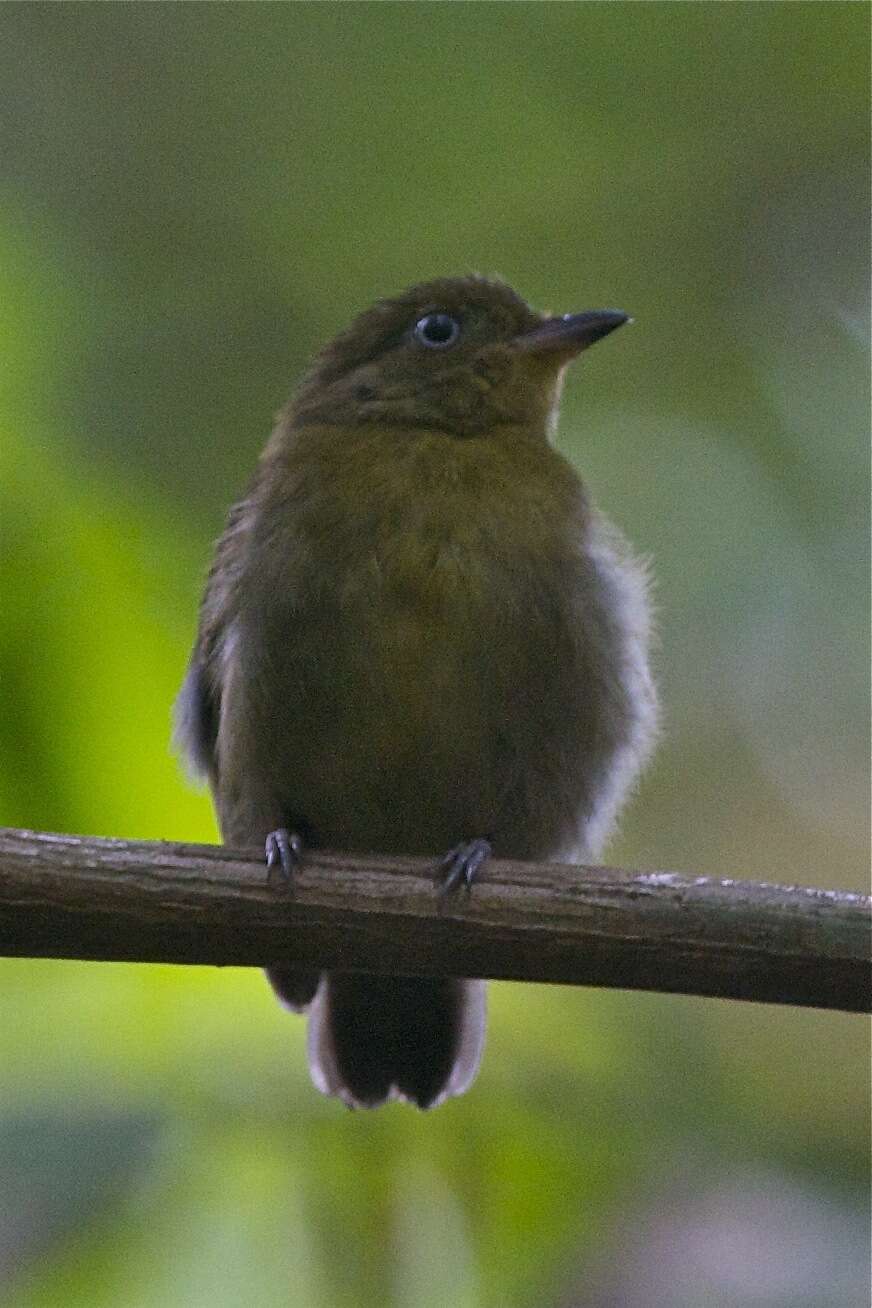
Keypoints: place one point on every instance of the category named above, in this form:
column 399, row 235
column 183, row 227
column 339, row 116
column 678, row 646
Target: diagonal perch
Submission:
column 139, row 901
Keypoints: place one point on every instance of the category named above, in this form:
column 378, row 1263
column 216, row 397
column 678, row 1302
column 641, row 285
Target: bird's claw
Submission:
column 460, row 864
column 284, row 849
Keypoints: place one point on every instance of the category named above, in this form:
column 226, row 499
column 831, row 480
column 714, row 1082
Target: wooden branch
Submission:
column 76, row 897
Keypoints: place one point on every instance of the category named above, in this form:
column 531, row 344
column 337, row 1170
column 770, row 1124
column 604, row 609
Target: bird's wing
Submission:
column 195, row 730
column 198, row 706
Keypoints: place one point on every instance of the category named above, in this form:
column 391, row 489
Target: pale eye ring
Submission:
column 438, row 331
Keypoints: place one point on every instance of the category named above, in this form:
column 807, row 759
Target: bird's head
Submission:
column 463, row 355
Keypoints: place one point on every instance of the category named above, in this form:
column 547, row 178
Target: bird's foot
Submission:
column 284, row 849
column 460, row 864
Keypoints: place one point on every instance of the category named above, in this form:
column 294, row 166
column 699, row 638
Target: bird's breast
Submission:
column 425, row 650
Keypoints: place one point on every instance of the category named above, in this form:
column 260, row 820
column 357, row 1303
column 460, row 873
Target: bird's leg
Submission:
column 460, row 864
column 284, row 849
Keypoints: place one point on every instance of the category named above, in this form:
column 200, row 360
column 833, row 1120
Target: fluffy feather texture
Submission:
column 416, row 630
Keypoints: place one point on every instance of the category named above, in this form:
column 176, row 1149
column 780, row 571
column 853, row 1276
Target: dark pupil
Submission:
column 437, row 328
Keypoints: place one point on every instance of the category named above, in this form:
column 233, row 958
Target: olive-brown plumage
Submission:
column 417, row 633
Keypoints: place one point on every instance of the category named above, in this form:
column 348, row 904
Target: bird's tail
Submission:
column 376, row 1038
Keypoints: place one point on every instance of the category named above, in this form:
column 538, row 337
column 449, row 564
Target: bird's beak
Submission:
column 563, row 338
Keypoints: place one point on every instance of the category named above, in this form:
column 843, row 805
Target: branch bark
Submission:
column 136, row 901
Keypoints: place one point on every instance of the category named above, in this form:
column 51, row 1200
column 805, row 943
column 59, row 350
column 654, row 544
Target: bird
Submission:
column 419, row 637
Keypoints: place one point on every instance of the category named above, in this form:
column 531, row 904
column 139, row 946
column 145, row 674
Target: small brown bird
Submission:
column 418, row 636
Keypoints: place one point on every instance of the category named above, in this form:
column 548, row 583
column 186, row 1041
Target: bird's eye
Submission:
column 437, row 330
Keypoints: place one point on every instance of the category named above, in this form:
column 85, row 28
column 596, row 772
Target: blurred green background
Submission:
column 192, row 199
